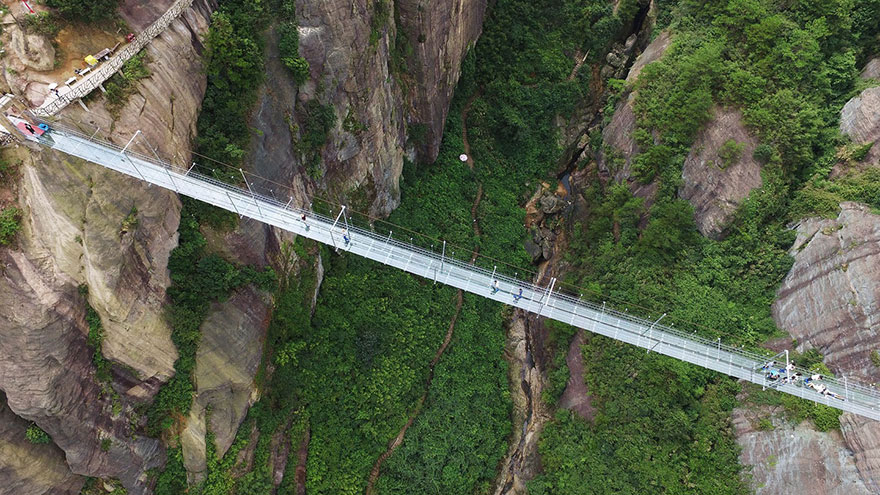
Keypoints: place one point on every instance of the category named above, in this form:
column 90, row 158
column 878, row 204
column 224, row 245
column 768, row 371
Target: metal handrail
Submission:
column 713, row 354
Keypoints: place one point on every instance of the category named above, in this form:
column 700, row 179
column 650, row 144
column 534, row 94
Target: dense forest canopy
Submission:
column 354, row 372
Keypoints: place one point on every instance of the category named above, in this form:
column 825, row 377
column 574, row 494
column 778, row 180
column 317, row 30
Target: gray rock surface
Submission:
column 860, row 120
column 830, row 300
column 33, row 50
column 352, row 70
column 31, row 469
column 615, row 159
column 796, row 459
column 440, row 33
column 226, row 363
column 871, row 69
column 73, row 233
column 651, row 53
column 51, row 380
column 715, row 186
column 862, row 436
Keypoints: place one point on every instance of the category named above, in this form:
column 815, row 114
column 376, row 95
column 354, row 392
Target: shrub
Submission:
column 85, row 10
column 730, row 152
column 43, row 23
column 9, row 224
column 36, row 435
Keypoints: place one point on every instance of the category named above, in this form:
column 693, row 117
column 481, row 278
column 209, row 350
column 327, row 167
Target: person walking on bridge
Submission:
column 305, row 223
column 495, row 286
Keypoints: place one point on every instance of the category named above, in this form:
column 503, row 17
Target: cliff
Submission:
column 388, row 71
column 86, row 226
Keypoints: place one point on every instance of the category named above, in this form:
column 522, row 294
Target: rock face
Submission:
column 830, row 300
column 80, row 227
column 615, row 159
column 34, row 51
column 719, row 171
column 226, row 363
column 863, row 438
column 871, row 69
column 440, row 34
column 349, row 49
column 31, row 469
column 651, row 53
column 797, row 459
column 51, row 379
column 860, row 120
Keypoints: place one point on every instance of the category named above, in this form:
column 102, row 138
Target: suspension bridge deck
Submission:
column 650, row 335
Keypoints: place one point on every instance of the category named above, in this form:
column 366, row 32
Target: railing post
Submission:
column 233, row 204
column 651, row 329
column 390, row 246
column 253, row 196
column 333, row 227
column 549, row 293
column 442, row 259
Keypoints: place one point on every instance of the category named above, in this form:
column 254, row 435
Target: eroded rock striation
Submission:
column 796, row 458
column 31, row 469
column 86, row 226
column 381, row 93
column 860, row 120
column 720, row 171
column 226, row 363
column 830, row 300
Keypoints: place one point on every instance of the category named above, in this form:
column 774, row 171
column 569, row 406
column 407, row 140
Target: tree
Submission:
column 85, row 10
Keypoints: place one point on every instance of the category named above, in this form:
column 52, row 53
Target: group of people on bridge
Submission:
column 787, row 374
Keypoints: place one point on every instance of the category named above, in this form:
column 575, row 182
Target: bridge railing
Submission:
column 565, row 307
column 84, row 86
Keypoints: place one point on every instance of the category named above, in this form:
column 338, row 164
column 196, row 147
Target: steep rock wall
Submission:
column 714, row 184
column 80, row 228
column 796, row 457
column 31, row 469
column 829, row 301
column 435, row 36
column 385, row 68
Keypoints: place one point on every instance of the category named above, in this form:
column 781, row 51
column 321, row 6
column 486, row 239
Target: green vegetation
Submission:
column 730, row 152
column 42, row 23
column 96, row 341
column 36, row 435
column 288, row 43
column 753, row 55
column 821, row 196
column 122, row 84
column 97, row 486
column 10, row 224
column 198, row 278
column 85, row 10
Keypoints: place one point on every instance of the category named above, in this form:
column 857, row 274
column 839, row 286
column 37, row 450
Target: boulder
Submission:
column 550, row 203
column 871, row 69
column 860, row 121
column 33, row 50
column 720, row 172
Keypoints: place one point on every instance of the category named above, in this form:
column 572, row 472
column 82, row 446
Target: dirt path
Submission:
column 459, row 300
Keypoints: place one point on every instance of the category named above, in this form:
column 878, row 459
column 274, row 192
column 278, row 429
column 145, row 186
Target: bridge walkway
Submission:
column 543, row 301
